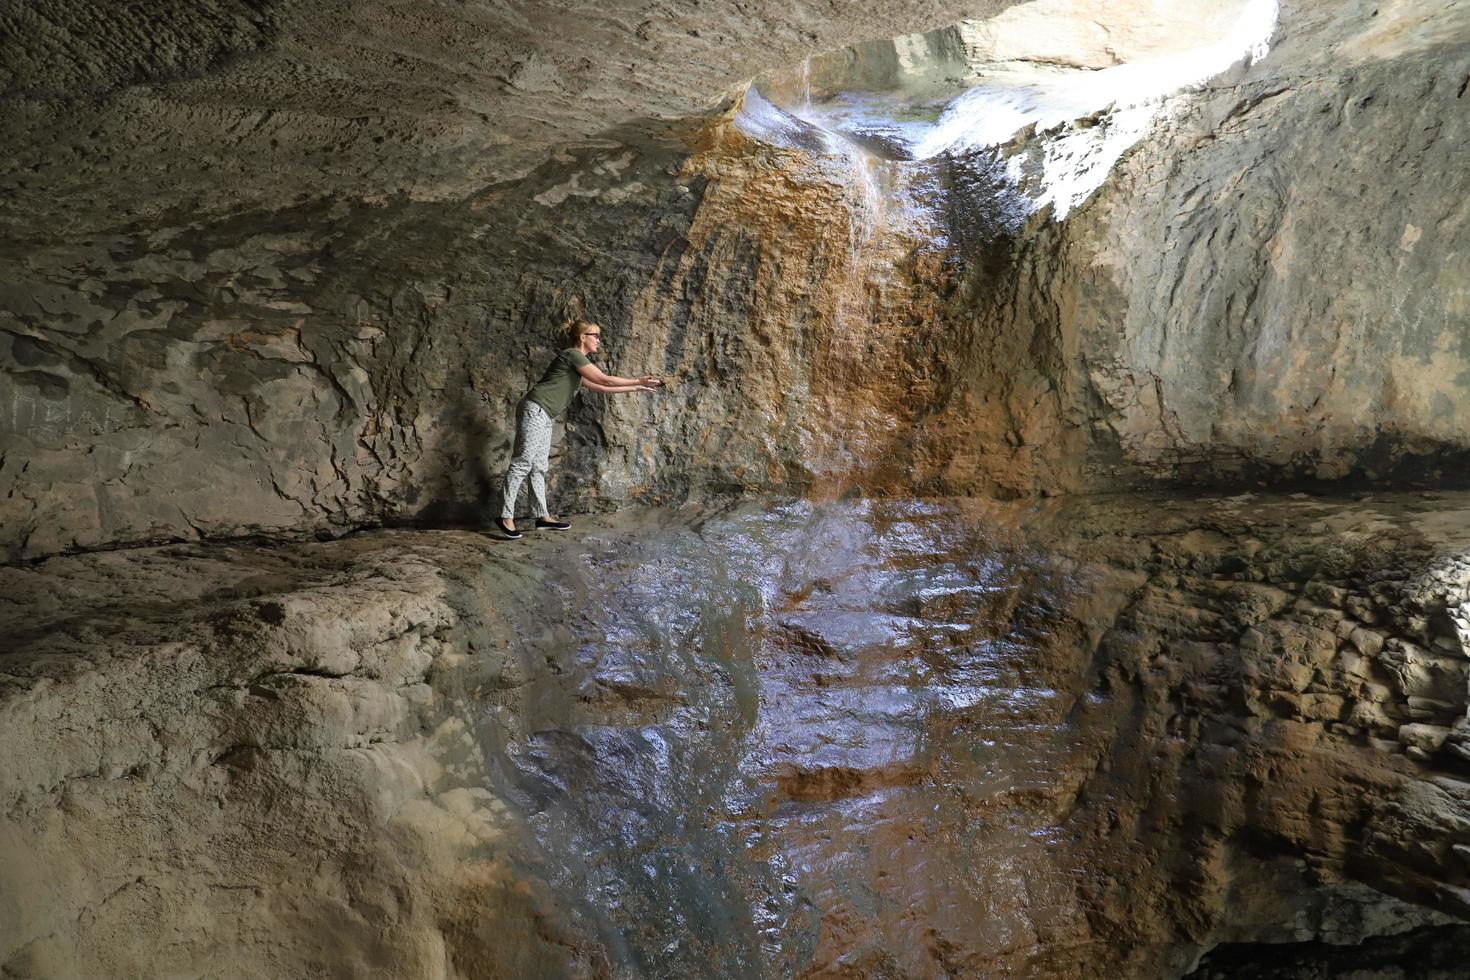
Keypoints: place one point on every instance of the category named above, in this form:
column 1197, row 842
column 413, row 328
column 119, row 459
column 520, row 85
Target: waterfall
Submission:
column 804, row 127
column 1125, row 100
column 1071, row 162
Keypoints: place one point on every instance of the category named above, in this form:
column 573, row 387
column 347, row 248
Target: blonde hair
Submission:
column 573, row 329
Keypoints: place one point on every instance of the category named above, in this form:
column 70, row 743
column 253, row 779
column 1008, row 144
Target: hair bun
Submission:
column 574, row 328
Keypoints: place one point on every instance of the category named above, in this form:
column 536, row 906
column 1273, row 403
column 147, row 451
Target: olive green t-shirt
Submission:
column 560, row 383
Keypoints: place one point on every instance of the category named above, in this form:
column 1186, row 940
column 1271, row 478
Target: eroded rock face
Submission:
column 251, row 353
column 817, row 740
column 1266, row 302
column 256, row 276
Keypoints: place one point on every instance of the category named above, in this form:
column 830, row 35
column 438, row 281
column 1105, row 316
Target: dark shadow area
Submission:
column 1433, row 953
column 468, row 479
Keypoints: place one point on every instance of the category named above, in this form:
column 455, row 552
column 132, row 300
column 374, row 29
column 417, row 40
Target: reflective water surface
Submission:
column 861, row 738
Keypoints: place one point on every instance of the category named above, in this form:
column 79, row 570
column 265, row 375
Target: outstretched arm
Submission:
column 617, row 389
column 594, row 374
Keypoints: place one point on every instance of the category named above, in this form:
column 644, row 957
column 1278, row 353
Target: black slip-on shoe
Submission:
column 509, row 532
column 546, row 525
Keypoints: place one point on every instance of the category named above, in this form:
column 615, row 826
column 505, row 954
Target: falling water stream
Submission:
column 1002, row 99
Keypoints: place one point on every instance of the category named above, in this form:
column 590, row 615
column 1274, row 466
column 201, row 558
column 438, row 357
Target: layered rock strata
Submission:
column 797, row 739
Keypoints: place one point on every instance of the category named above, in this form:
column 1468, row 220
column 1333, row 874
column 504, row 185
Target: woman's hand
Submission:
column 651, row 382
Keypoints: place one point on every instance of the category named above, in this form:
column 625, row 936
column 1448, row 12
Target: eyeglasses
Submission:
column 591, row 334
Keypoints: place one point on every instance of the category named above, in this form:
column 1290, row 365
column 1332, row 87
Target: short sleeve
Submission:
column 578, row 359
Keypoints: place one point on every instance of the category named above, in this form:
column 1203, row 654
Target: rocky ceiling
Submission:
column 124, row 111
column 216, row 105
column 219, row 104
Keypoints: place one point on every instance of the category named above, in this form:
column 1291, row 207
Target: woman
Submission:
column 549, row 398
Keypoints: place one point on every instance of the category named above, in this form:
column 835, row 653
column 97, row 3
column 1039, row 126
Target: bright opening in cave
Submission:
column 1093, row 82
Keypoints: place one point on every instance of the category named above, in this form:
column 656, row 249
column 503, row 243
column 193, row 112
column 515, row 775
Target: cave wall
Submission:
column 1271, row 285
column 228, row 338
column 343, row 362
column 287, row 267
column 315, row 366
column 1290, row 295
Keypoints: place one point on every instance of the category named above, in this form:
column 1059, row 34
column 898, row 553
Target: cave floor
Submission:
column 783, row 738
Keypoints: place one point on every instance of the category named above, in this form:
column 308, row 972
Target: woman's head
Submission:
column 583, row 334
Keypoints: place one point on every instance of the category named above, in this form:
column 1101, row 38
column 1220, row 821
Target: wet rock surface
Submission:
column 855, row 738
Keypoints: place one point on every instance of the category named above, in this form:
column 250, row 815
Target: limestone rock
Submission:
column 786, row 738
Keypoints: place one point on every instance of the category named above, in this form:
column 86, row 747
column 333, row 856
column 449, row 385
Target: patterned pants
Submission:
column 533, row 455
